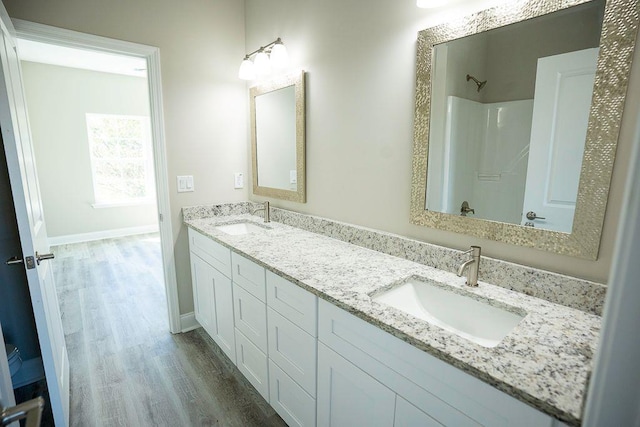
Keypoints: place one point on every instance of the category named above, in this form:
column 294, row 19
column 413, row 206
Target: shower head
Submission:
column 477, row 82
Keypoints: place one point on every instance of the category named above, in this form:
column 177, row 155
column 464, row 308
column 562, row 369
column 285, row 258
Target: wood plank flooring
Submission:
column 126, row 369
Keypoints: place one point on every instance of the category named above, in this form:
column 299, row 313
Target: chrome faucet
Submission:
column 472, row 265
column 265, row 208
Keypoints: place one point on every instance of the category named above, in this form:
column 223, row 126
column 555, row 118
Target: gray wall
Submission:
column 58, row 99
column 205, row 104
column 360, row 56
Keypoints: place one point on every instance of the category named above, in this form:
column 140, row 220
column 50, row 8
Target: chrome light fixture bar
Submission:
column 272, row 57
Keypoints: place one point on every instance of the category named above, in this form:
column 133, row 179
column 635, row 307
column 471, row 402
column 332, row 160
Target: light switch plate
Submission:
column 293, row 177
column 185, row 183
column 238, row 180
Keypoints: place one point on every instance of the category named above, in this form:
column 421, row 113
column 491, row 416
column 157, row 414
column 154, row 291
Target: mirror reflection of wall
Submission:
column 481, row 131
column 276, row 138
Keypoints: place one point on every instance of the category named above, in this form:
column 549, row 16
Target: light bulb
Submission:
column 247, row 70
column 262, row 64
column 279, row 57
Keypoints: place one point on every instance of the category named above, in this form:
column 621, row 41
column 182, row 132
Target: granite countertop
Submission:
column 545, row 361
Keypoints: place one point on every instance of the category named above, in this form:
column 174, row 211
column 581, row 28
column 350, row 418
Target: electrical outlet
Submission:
column 238, row 180
column 185, row 183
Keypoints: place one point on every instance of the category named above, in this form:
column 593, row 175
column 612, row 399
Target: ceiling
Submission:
column 79, row 58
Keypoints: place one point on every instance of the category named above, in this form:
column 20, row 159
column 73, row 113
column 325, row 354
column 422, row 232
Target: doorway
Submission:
column 139, row 59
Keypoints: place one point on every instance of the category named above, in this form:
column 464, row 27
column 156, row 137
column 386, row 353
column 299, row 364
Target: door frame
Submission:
column 613, row 393
column 73, row 39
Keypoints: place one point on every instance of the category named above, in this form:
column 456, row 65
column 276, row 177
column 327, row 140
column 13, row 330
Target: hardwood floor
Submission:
column 126, row 369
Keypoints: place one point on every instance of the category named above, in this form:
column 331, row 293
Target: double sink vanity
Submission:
column 334, row 333
column 339, row 325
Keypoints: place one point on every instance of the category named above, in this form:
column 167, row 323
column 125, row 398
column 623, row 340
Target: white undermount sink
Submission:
column 239, row 228
column 475, row 320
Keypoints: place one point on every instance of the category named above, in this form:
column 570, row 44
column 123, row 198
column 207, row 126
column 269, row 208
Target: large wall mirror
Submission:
column 518, row 110
column 278, row 138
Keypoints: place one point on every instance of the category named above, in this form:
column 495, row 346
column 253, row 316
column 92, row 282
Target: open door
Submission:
column 564, row 84
column 7, row 399
column 16, row 137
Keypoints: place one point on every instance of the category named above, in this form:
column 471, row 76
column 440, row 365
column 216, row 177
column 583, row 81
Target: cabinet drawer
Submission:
column 253, row 364
column 249, row 275
column 251, row 317
column 293, row 350
column 293, row 302
column 290, row 401
column 216, row 255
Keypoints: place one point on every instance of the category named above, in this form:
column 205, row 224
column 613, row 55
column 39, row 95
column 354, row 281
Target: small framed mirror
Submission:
column 278, row 138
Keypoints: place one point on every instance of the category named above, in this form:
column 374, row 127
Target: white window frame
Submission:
column 148, row 165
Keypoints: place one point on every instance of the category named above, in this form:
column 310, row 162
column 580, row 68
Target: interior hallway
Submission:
column 126, row 369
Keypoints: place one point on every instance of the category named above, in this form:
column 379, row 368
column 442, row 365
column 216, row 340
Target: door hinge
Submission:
column 31, row 262
column 160, row 217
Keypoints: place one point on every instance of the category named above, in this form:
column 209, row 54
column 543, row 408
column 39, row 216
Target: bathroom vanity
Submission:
column 298, row 314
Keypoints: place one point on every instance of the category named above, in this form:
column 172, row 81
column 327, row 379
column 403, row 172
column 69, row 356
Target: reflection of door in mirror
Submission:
column 480, row 131
column 276, row 138
column 559, row 129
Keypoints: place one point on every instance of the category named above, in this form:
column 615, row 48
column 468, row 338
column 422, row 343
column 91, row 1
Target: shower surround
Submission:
column 485, row 151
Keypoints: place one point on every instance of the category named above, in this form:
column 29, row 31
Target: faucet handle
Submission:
column 474, row 250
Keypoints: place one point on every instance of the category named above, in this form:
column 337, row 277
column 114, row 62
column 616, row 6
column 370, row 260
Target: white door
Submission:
column 16, row 136
column 564, row 84
column 7, row 399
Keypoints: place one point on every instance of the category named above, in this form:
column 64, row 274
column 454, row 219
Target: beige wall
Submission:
column 58, row 99
column 513, row 76
column 205, row 105
column 360, row 58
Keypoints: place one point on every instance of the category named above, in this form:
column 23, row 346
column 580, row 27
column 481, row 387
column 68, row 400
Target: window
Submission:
column 121, row 159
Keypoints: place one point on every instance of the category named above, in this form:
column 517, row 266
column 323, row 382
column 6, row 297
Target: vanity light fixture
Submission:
column 272, row 57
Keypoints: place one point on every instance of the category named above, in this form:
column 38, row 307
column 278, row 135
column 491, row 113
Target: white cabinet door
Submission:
column 202, row 280
column 224, row 332
column 213, row 304
column 349, row 397
column 408, row 415
column 290, row 401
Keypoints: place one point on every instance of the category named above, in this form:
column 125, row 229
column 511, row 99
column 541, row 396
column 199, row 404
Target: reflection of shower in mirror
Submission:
column 478, row 82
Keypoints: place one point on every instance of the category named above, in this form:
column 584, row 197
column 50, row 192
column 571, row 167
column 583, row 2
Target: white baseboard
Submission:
column 100, row 235
column 188, row 322
column 32, row 370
